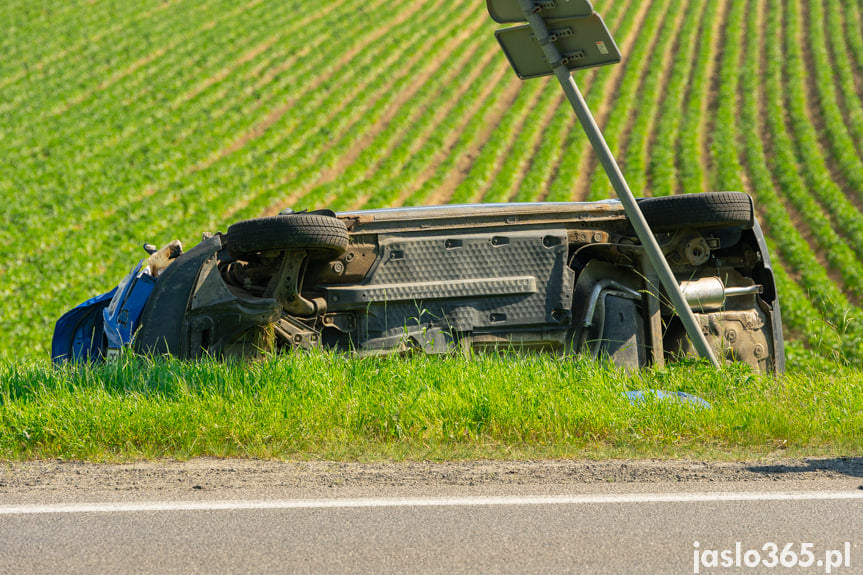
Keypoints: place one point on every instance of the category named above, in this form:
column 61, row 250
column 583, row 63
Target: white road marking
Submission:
column 157, row 506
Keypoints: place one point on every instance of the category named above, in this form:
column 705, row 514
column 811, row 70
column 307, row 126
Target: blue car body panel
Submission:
column 122, row 314
column 79, row 333
column 105, row 322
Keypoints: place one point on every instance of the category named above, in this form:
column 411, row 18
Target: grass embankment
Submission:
column 311, row 406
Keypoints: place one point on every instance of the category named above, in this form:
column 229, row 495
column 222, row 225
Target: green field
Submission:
column 129, row 122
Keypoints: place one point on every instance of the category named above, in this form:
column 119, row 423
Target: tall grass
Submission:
column 322, row 405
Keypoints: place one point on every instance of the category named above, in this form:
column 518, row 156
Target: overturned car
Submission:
column 559, row 277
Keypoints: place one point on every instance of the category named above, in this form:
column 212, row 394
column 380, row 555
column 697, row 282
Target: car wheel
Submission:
column 707, row 210
column 315, row 232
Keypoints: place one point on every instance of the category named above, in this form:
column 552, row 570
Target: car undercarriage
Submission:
column 561, row 278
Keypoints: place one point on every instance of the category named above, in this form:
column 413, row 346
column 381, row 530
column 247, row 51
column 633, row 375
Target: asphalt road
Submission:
column 380, row 525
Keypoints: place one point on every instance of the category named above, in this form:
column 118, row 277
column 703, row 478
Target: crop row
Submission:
column 471, row 135
column 571, row 148
column 785, row 160
column 854, row 34
column 844, row 69
column 96, row 150
column 147, row 121
column 727, row 172
column 842, row 146
column 637, row 67
column 663, row 166
column 73, row 28
column 520, row 154
column 487, row 162
column 114, row 202
column 550, row 160
column 639, row 148
column 128, row 219
column 388, row 152
column 187, row 162
column 545, row 163
column 819, row 179
column 813, row 293
column 418, row 162
column 692, row 161
column 291, row 175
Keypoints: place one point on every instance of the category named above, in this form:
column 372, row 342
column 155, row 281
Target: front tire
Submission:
column 706, row 210
column 285, row 232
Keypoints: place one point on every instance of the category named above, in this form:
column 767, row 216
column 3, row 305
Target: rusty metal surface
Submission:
column 462, row 216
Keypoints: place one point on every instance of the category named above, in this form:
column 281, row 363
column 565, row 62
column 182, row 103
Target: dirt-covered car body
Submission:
column 562, row 277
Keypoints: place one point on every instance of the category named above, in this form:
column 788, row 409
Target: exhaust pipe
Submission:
column 709, row 294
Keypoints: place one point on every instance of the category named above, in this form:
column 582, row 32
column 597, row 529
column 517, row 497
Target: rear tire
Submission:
column 706, row 210
column 324, row 234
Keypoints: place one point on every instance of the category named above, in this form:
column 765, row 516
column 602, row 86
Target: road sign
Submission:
column 582, row 43
column 509, row 11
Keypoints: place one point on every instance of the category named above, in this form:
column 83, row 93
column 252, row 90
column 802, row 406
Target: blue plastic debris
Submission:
column 640, row 396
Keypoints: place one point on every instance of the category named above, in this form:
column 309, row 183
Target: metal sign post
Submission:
column 561, row 65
